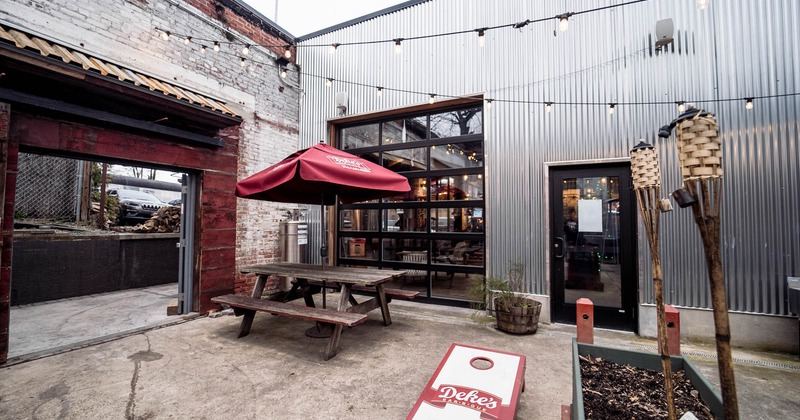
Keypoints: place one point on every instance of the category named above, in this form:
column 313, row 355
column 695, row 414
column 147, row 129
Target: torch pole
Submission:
column 706, row 215
column 648, row 205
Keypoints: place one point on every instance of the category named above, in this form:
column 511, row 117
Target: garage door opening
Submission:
column 97, row 251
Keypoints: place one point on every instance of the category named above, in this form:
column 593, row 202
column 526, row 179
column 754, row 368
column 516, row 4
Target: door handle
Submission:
column 559, row 247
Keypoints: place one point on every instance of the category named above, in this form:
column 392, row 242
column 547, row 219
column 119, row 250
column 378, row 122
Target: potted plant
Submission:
column 514, row 311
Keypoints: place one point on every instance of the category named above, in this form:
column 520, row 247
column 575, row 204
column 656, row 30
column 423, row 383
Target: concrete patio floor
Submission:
column 198, row 369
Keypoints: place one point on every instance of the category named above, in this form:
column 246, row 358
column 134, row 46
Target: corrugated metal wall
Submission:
column 731, row 50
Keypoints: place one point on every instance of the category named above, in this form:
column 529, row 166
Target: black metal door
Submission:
column 593, row 244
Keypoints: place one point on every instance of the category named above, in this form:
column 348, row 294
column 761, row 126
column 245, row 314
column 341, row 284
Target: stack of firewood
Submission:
column 166, row 219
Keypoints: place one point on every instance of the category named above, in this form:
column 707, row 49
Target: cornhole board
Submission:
column 473, row 383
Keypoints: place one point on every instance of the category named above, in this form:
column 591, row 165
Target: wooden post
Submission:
column 584, row 319
column 673, row 330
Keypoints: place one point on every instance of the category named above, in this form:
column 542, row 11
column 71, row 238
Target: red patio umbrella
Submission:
column 322, row 175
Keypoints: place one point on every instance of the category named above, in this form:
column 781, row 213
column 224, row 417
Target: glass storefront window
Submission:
column 404, row 131
column 457, row 155
column 359, row 219
column 468, row 219
column 457, row 123
column 419, row 192
column 360, row 136
column 457, row 253
column 374, row 157
column 457, row 187
column 360, row 248
column 405, row 220
column 406, row 250
column 415, row 159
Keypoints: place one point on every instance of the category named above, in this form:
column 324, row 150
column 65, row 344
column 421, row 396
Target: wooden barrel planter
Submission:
column 521, row 319
column 650, row 361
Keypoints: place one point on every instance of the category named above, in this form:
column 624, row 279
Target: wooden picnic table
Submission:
column 309, row 279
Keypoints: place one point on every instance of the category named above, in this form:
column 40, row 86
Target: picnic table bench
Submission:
column 309, row 278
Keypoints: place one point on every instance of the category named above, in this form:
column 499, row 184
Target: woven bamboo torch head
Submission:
column 644, row 166
column 699, row 148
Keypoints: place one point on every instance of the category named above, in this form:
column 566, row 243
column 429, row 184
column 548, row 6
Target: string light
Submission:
column 432, row 99
column 378, row 91
column 187, row 40
column 563, row 21
column 702, row 4
column 202, row 49
column 611, row 107
column 243, row 62
column 216, row 46
column 288, row 52
column 328, row 82
column 333, row 48
column 681, row 106
column 246, row 49
column 165, row 35
column 489, row 103
column 481, row 37
column 283, row 72
column 548, row 106
column 398, row 46
column 749, row 103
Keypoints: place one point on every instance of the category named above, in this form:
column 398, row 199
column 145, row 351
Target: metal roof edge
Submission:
column 361, row 19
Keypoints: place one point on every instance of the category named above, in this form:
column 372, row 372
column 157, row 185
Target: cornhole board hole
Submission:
column 473, row 383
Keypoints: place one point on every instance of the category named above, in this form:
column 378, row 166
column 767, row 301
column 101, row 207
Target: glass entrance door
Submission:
column 593, row 244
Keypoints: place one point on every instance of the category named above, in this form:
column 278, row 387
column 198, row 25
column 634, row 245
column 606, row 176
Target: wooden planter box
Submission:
column 639, row 359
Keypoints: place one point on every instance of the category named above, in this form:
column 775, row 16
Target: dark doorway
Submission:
column 593, row 243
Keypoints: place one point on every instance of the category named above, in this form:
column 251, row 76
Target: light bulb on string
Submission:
column 202, row 49
column 548, row 106
column 243, row 62
column 328, row 82
column 749, row 103
column 165, row 35
column 398, row 45
column 246, row 50
column 187, row 40
column 563, row 22
column 611, row 107
column 432, row 99
column 702, row 4
column 333, row 48
column 283, row 72
column 288, row 52
column 216, row 46
column 378, row 91
column 489, row 103
column 681, row 106
column 481, row 37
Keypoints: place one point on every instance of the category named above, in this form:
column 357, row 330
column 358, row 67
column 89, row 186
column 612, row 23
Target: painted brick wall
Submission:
column 123, row 31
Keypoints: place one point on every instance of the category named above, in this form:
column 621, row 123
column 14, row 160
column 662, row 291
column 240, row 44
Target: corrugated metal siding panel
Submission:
column 731, row 50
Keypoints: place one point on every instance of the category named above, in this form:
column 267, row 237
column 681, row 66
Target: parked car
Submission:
column 176, row 202
column 135, row 206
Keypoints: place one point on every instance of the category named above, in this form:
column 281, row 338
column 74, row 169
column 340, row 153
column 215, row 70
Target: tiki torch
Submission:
column 700, row 158
column 647, row 186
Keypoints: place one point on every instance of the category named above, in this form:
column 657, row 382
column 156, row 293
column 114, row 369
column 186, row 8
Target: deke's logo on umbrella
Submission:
column 351, row 164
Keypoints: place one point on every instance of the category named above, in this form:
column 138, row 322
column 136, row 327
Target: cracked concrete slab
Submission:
column 200, row 370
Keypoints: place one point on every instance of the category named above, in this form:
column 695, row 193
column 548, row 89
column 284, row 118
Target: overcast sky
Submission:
column 302, row 17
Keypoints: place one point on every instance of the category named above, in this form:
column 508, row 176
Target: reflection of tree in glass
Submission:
column 457, row 123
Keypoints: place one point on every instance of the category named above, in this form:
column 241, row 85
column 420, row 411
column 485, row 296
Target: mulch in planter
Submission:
column 615, row 391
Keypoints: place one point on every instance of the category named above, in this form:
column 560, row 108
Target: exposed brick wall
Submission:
column 233, row 232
